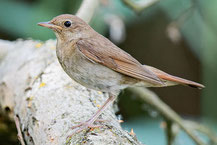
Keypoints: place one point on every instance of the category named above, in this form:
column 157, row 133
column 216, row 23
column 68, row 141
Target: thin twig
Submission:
column 19, row 133
column 87, row 9
column 141, row 5
column 152, row 99
column 202, row 129
column 169, row 131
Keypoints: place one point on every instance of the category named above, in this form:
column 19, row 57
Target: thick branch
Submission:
column 48, row 102
column 87, row 9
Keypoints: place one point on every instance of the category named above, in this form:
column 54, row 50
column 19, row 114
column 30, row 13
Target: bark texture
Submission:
column 47, row 102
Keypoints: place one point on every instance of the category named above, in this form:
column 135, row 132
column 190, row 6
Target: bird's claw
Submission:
column 84, row 126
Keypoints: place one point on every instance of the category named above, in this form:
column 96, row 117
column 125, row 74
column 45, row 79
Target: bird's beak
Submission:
column 49, row 25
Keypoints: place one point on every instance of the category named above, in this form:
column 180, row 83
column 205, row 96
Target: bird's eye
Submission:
column 67, row 23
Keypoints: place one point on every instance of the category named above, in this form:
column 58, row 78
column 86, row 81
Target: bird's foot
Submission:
column 85, row 126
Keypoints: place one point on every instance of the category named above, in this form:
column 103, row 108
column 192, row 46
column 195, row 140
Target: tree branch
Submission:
column 202, row 129
column 138, row 7
column 48, row 102
column 151, row 98
column 169, row 131
column 87, row 9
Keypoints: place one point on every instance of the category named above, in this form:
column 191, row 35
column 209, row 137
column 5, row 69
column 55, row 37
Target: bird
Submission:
column 96, row 63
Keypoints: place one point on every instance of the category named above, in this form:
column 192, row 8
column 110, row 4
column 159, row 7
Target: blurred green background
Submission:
column 177, row 36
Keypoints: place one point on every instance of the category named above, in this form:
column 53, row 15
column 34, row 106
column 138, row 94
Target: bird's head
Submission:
column 67, row 27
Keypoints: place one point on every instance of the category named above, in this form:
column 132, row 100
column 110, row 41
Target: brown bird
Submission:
column 96, row 63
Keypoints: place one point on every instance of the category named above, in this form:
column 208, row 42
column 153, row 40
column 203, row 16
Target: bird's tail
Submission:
column 171, row 80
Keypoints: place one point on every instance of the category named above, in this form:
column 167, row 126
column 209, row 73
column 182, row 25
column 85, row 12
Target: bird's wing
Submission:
column 102, row 51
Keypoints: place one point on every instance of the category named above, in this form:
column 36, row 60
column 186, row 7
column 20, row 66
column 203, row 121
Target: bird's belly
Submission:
column 98, row 77
column 93, row 75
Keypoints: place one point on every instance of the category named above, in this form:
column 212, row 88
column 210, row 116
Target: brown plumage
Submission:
column 95, row 62
column 107, row 54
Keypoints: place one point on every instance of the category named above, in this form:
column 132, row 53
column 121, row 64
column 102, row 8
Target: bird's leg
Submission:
column 89, row 122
